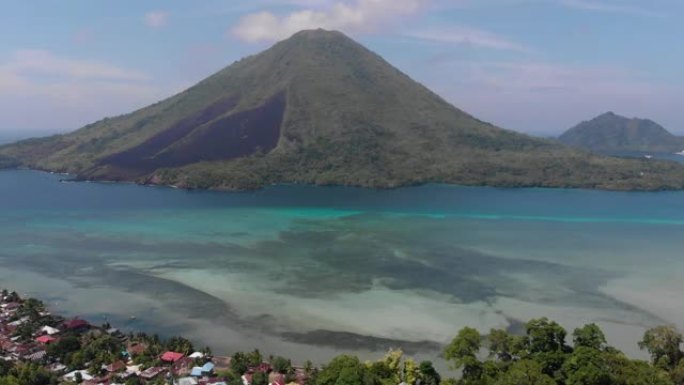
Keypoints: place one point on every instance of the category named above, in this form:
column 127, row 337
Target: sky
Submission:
column 535, row 66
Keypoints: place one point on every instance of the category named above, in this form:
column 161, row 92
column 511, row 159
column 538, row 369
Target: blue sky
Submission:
column 537, row 66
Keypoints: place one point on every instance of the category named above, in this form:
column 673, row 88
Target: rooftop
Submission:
column 172, row 356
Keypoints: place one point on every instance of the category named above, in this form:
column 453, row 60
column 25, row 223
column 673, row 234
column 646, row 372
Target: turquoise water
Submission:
column 308, row 271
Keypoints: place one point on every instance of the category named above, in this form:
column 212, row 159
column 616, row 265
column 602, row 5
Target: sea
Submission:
column 652, row 155
column 309, row 272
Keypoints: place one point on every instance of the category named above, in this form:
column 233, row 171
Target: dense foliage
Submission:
column 542, row 356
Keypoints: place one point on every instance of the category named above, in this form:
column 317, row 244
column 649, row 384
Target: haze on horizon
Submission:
column 535, row 66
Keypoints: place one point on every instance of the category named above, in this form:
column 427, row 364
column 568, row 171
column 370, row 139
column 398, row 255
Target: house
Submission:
column 133, row 370
column 46, row 340
column 222, row 363
column 208, row 369
column 6, row 345
column 56, row 368
column 115, row 367
column 21, row 350
column 49, row 330
column 246, row 379
column 301, row 375
column 136, row 348
column 171, row 356
column 151, row 373
column 71, row 376
column 10, row 306
column 8, row 330
column 182, row 367
column 76, row 324
column 276, row 379
column 203, row 371
column 212, row 381
column 186, row 381
column 19, row 322
column 36, row 356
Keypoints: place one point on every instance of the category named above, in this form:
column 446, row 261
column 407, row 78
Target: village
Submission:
column 38, row 344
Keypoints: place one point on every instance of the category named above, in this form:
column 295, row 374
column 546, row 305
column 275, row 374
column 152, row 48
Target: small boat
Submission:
column 680, row 153
column 648, row 156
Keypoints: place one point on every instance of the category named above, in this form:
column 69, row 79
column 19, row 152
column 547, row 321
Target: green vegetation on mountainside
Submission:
column 320, row 108
column 611, row 133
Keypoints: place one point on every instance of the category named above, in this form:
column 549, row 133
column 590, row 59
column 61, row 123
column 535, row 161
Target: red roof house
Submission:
column 6, row 345
column 136, row 348
column 182, row 367
column 46, row 339
column 171, row 356
column 23, row 349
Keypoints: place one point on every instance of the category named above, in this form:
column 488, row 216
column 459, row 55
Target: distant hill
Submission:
column 320, row 108
column 10, row 136
column 611, row 133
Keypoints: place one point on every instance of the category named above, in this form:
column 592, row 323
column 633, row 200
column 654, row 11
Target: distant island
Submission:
column 319, row 108
column 39, row 348
column 610, row 133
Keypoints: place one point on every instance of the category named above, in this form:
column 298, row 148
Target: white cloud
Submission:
column 41, row 90
column 42, row 62
column 611, row 7
column 540, row 76
column 462, row 35
column 66, row 106
column 628, row 7
column 300, row 3
column 349, row 16
column 156, row 19
column 546, row 98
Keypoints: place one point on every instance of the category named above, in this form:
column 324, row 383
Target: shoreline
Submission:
column 23, row 339
column 31, row 333
column 59, row 350
column 511, row 187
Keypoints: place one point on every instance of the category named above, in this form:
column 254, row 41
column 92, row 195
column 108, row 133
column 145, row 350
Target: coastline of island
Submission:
column 40, row 348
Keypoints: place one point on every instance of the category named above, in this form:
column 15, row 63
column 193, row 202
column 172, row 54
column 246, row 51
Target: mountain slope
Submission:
column 611, row 133
column 320, row 108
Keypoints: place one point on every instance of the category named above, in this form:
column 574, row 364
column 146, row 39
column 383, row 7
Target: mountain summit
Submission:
column 320, row 108
column 611, row 133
